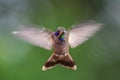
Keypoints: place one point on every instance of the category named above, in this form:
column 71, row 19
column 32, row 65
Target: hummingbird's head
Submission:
column 59, row 31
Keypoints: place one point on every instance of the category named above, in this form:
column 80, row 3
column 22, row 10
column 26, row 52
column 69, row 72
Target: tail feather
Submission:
column 65, row 60
column 52, row 61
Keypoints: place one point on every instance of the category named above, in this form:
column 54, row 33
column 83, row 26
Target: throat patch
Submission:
column 62, row 37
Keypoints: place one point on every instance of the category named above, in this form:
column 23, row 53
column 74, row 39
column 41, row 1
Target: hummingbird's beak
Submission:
column 61, row 32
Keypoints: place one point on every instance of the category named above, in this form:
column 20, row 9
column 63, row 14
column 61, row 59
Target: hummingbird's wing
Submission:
column 80, row 33
column 41, row 37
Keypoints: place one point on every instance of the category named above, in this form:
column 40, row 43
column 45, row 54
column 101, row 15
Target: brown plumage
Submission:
column 61, row 52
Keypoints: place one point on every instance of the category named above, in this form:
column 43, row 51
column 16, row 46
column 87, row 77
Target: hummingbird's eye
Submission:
column 57, row 33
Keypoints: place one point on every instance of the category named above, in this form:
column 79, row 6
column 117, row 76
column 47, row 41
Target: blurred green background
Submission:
column 96, row 59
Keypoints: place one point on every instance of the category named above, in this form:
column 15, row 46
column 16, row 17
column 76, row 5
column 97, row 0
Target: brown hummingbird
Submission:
column 59, row 41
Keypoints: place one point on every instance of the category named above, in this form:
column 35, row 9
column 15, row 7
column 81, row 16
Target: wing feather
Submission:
column 40, row 37
column 80, row 33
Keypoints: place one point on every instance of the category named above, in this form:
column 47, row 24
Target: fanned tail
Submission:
column 65, row 60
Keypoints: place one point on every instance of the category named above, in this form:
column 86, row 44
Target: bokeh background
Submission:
column 96, row 59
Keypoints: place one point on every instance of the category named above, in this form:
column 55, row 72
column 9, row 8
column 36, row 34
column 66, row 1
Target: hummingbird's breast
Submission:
column 61, row 46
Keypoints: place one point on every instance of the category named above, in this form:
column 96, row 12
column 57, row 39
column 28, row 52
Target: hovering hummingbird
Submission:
column 59, row 41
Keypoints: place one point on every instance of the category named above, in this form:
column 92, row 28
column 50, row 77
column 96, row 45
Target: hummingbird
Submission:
column 59, row 41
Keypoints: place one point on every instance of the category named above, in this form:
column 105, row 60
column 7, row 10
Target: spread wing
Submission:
column 80, row 33
column 37, row 36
